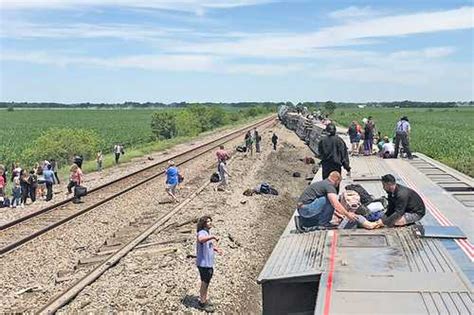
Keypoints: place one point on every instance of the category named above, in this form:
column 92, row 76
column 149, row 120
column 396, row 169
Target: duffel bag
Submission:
column 80, row 191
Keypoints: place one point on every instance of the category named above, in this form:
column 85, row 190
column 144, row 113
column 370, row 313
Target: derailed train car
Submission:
column 421, row 269
column 307, row 129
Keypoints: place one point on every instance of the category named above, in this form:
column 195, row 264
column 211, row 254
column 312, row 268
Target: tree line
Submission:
column 87, row 105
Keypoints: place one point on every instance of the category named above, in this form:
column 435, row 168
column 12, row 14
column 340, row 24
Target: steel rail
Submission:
column 70, row 293
column 22, row 240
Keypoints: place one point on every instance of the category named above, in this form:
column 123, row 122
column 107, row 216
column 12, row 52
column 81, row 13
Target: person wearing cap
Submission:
column 402, row 134
column 405, row 206
column 388, row 150
column 172, row 180
column 333, row 152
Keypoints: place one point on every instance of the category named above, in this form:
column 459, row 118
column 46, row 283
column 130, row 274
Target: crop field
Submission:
column 446, row 135
column 21, row 127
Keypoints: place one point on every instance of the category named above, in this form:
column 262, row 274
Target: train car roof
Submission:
column 390, row 270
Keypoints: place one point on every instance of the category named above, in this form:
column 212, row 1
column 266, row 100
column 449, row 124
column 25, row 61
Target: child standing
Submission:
column 99, row 159
column 205, row 248
column 16, row 190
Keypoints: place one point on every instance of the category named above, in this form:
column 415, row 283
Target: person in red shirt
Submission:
column 2, row 180
column 222, row 154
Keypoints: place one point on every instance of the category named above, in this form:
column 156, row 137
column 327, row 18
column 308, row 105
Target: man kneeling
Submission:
column 318, row 201
column 405, row 206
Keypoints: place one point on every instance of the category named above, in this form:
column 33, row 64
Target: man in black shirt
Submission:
column 333, row 153
column 405, row 206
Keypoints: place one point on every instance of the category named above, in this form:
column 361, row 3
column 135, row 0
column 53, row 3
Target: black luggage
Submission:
column 80, row 191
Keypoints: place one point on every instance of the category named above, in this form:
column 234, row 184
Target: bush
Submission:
column 62, row 144
column 163, row 124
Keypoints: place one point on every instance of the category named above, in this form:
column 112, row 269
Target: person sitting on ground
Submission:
column 172, row 180
column 388, row 149
column 405, row 206
column 205, row 248
column 319, row 200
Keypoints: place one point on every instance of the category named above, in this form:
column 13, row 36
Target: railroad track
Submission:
column 129, row 239
column 23, row 230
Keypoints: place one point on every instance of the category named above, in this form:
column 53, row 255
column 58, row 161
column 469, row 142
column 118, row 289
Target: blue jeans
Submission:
column 317, row 213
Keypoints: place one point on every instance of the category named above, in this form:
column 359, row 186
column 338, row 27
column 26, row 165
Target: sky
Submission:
column 113, row 51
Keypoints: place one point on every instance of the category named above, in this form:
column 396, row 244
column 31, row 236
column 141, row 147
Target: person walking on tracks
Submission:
column 274, row 141
column 205, row 248
column 222, row 154
column 172, row 180
column 333, row 152
column 319, row 200
column 405, row 206
column 402, row 133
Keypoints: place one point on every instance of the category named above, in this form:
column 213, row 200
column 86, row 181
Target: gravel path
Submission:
column 154, row 279
column 28, row 274
column 94, row 179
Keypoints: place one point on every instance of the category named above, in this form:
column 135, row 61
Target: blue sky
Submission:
column 235, row 50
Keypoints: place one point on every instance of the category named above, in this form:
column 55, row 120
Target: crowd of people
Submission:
column 36, row 183
column 320, row 205
column 368, row 136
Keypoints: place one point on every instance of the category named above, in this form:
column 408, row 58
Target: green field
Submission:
column 446, row 135
column 21, row 127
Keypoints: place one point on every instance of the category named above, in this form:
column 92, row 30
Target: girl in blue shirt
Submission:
column 172, row 180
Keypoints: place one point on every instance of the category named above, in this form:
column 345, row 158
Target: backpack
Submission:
column 6, row 203
column 365, row 197
column 241, row 148
column 352, row 130
column 264, row 188
column 215, row 178
column 350, row 200
column 80, row 191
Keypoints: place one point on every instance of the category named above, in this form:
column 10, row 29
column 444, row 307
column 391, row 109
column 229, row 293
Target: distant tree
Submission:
column 10, row 108
column 329, row 107
column 163, row 124
column 62, row 144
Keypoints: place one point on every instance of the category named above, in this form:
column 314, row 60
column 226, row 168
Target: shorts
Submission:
column 206, row 274
column 171, row 187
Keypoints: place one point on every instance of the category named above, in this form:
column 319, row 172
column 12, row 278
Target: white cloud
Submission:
column 354, row 12
column 175, row 5
column 351, row 33
column 179, row 63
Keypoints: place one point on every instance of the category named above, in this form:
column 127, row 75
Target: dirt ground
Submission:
column 164, row 277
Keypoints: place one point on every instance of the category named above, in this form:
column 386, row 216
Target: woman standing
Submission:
column 75, row 179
